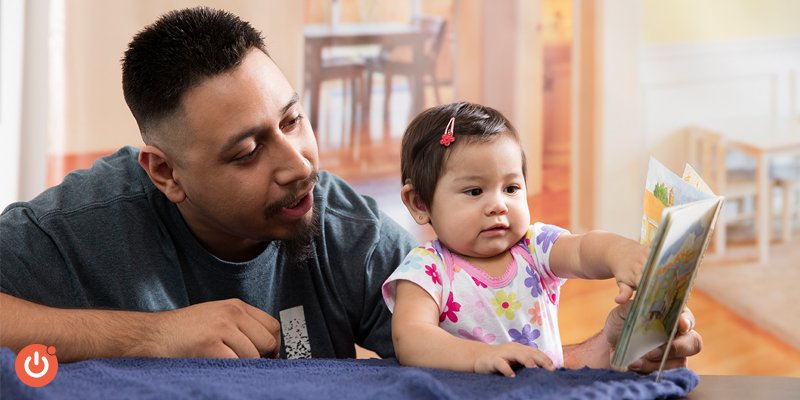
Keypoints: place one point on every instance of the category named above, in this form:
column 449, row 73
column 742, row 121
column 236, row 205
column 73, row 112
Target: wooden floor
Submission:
column 732, row 345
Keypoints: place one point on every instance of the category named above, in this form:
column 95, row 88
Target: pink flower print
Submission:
column 431, row 271
column 477, row 334
column 456, row 267
column 550, row 295
column 536, row 314
column 506, row 304
column 450, row 310
column 478, row 282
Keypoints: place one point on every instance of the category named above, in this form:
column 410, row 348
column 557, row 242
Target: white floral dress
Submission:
column 519, row 306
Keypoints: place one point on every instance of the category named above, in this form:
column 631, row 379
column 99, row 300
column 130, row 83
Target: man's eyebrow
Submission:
column 295, row 98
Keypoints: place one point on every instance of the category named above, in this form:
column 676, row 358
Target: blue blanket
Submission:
column 145, row 378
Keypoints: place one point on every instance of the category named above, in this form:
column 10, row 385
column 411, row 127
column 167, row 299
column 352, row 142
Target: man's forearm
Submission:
column 595, row 352
column 76, row 334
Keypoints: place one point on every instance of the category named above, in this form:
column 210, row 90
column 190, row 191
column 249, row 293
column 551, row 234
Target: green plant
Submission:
column 661, row 193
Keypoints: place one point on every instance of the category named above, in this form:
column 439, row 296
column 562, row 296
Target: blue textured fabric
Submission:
column 144, row 378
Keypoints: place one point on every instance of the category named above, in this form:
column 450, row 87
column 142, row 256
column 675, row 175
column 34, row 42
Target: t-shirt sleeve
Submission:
column 33, row 269
column 422, row 266
column 375, row 325
column 540, row 239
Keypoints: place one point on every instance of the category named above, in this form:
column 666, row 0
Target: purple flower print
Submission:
column 477, row 334
column 526, row 337
column 548, row 236
column 532, row 281
column 431, row 271
column 450, row 310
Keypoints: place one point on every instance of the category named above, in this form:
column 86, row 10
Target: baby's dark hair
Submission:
column 423, row 158
column 177, row 52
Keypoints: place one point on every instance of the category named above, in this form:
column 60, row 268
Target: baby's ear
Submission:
column 416, row 207
column 419, row 204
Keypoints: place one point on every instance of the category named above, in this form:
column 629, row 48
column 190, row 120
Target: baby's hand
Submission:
column 501, row 357
column 627, row 266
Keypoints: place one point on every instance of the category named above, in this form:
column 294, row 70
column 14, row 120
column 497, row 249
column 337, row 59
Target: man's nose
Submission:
column 293, row 165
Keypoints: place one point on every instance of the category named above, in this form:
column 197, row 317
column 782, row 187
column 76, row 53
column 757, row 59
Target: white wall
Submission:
column 12, row 14
column 698, row 83
column 646, row 93
column 621, row 159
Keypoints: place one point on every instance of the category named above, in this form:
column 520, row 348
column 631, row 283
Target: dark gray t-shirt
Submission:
column 108, row 238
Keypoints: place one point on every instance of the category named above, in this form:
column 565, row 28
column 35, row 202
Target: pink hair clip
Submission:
column 447, row 136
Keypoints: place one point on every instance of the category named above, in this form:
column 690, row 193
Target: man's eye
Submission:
column 249, row 155
column 474, row 192
column 292, row 122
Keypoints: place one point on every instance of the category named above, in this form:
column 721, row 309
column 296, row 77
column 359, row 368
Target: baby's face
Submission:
column 480, row 206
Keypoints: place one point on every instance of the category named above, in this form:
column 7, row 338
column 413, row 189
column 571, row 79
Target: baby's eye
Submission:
column 474, row 192
column 512, row 189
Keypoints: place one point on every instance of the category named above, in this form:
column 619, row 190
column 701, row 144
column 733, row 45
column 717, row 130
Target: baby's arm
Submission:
column 600, row 255
column 419, row 341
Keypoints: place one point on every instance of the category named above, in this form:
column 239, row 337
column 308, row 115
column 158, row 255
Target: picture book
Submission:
column 679, row 217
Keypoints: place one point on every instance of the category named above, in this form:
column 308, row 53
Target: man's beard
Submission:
column 300, row 247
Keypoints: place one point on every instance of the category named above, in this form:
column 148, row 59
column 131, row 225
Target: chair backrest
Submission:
column 435, row 29
column 707, row 155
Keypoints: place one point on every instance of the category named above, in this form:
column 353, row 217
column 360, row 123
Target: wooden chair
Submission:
column 349, row 69
column 389, row 65
column 709, row 155
column 787, row 179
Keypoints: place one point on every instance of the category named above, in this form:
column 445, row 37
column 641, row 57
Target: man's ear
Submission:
column 159, row 169
column 416, row 207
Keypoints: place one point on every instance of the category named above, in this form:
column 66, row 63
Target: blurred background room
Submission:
column 595, row 87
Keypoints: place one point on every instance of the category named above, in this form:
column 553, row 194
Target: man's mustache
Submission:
column 301, row 188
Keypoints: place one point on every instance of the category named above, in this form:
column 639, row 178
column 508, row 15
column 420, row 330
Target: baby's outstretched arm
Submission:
column 419, row 341
column 600, row 255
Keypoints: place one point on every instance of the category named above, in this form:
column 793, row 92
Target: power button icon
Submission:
column 36, row 365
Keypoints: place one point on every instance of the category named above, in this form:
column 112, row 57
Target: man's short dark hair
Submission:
column 176, row 53
column 422, row 157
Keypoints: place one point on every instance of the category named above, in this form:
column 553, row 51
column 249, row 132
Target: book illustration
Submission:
column 679, row 216
column 665, row 189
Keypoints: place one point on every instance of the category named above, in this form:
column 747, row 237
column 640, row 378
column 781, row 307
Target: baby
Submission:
column 483, row 297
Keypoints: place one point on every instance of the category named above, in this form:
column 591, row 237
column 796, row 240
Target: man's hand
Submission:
column 687, row 342
column 219, row 329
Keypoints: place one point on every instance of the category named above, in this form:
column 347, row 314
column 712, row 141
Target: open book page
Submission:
column 691, row 177
column 677, row 223
column 665, row 189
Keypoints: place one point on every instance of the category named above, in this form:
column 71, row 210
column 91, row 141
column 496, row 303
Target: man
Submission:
column 221, row 226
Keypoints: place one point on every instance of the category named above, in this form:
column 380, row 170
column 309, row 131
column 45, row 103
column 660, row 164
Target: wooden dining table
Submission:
column 321, row 36
column 764, row 140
